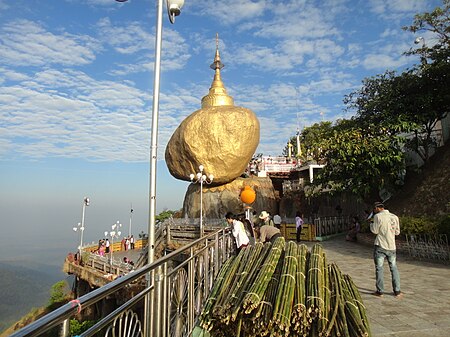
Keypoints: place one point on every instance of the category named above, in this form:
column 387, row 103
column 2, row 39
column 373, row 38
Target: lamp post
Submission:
column 131, row 215
column 114, row 233
column 201, row 178
column 173, row 10
column 80, row 226
column 420, row 39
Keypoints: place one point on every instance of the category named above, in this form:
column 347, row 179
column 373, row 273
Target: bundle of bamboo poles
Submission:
column 282, row 290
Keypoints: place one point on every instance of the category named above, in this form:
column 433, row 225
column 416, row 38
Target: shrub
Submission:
column 443, row 226
column 58, row 294
column 76, row 327
column 418, row 225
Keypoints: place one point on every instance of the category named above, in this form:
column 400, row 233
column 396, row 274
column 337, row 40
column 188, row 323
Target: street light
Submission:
column 114, row 233
column 202, row 179
column 80, row 226
column 422, row 49
column 173, row 10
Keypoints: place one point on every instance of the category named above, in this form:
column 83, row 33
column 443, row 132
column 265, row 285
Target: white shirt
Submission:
column 239, row 233
column 386, row 226
column 277, row 219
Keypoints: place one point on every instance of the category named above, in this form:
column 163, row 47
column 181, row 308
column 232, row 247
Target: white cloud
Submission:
column 26, row 43
column 382, row 62
column 232, row 11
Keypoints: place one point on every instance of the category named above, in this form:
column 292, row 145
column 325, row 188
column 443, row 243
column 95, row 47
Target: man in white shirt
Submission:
column 277, row 221
column 386, row 226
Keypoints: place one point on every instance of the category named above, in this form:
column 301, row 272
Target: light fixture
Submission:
column 174, row 9
column 202, row 179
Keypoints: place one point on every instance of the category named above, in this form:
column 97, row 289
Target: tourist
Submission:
column 265, row 219
column 354, row 230
column 101, row 250
column 267, row 233
column 386, row 226
column 107, row 244
column 248, row 230
column 277, row 221
column 298, row 225
column 132, row 241
column 238, row 230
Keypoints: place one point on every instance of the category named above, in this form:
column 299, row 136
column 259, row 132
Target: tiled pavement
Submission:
column 424, row 309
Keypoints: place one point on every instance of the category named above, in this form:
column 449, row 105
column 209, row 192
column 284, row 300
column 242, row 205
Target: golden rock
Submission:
column 220, row 136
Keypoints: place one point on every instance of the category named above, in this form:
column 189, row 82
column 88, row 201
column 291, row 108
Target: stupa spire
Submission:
column 217, row 95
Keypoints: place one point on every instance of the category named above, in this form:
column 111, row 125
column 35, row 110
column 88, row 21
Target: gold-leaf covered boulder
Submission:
column 220, row 136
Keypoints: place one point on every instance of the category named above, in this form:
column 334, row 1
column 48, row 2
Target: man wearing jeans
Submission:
column 386, row 226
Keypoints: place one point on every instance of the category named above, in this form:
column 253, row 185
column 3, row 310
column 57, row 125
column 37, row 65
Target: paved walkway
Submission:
column 424, row 309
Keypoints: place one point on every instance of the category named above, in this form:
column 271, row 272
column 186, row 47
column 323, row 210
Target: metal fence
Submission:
column 160, row 299
column 432, row 247
column 331, row 225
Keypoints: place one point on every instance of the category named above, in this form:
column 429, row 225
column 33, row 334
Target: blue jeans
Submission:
column 379, row 254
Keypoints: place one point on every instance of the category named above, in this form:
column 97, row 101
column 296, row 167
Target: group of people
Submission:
column 127, row 242
column 384, row 225
column 262, row 228
column 104, row 246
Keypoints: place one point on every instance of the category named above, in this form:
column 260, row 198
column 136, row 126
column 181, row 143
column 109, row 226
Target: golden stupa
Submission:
column 220, row 136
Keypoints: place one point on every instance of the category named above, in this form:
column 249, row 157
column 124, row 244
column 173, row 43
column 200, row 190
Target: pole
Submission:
column 131, row 214
column 201, row 206
column 82, row 224
column 153, row 162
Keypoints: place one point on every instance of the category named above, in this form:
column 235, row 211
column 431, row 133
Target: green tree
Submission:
column 59, row 293
column 359, row 160
column 311, row 139
column 164, row 215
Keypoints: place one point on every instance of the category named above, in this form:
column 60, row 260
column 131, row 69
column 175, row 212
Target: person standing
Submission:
column 238, row 231
column 265, row 219
column 107, row 246
column 298, row 225
column 277, row 221
column 386, row 226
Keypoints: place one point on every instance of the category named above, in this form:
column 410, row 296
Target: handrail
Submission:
column 209, row 244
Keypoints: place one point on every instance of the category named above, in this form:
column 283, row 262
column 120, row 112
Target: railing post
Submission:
column 216, row 255
column 191, row 293
column 168, row 235
column 64, row 332
column 157, row 323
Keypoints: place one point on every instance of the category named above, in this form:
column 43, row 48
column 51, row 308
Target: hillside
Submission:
column 22, row 289
column 428, row 191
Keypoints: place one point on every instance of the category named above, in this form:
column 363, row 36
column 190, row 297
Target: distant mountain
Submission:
column 23, row 286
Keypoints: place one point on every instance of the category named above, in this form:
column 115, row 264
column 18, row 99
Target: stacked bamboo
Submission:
column 282, row 290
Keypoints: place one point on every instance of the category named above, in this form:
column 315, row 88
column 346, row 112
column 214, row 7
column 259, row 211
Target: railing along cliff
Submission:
column 178, row 283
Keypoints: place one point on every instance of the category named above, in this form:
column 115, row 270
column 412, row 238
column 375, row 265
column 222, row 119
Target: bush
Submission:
column 443, row 226
column 58, row 294
column 418, row 225
column 76, row 328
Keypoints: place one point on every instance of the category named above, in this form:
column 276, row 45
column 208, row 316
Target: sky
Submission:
column 76, row 88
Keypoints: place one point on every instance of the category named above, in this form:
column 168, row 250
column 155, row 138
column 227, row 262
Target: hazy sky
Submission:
column 76, row 82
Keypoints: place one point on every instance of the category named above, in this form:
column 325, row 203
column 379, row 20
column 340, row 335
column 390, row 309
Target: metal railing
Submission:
column 426, row 246
column 179, row 284
column 331, row 225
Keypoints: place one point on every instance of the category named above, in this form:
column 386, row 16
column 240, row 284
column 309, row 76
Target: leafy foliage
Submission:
column 310, row 142
column 76, row 327
column 360, row 160
column 164, row 215
column 59, row 293
column 417, row 225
